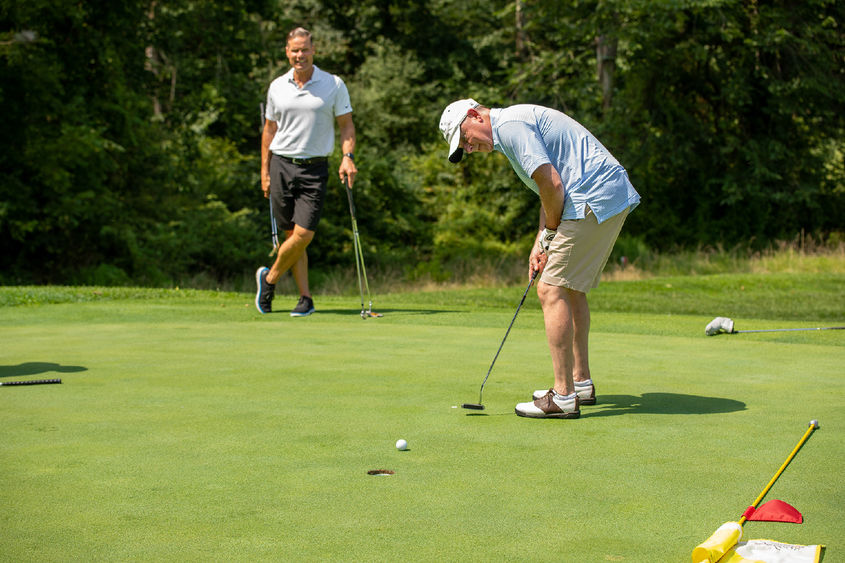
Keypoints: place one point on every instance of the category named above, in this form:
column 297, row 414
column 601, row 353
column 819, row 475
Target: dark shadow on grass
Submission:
column 648, row 403
column 35, row 368
column 660, row 403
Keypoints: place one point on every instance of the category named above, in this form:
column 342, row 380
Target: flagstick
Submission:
column 813, row 425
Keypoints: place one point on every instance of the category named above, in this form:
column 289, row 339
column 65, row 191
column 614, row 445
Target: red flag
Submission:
column 774, row 511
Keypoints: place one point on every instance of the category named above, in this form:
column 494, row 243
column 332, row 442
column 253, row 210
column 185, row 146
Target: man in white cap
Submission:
column 585, row 196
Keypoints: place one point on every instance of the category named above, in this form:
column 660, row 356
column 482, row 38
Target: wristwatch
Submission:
column 350, row 155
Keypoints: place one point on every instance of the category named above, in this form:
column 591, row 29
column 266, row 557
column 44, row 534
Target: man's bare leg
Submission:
column 560, row 331
column 580, row 309
column 290, row 253
column 300, row 274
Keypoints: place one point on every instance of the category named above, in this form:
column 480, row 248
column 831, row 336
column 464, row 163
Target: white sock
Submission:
column 566, row 397
column 584, row 383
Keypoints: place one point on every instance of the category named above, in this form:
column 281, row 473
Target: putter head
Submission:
column 473, row 406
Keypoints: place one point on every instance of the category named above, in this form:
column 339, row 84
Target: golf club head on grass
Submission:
column 478, row 406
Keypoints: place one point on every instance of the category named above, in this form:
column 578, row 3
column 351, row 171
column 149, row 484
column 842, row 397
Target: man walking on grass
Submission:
column 585, row 196
column 298, row 136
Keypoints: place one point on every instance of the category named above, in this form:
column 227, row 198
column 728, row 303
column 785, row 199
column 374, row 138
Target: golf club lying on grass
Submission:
column 479, row 406
column 32, row 382
column 725, row 325
column 728, row 534
column 359, row 259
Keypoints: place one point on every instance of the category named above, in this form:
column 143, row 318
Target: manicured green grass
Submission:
column 189, row 427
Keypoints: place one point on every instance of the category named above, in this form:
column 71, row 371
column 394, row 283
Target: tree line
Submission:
column 131, row 130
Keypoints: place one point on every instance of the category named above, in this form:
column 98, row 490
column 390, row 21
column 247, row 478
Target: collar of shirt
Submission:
column 494, row 119
column 316, row 76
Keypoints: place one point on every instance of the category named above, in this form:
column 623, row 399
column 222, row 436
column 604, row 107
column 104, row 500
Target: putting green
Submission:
column 192, row 428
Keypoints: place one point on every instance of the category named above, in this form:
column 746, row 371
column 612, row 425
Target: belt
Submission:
column 305, row 161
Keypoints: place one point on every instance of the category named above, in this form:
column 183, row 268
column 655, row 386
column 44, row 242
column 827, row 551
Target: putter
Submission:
column 359, row 259
column 479, row 406
column 32, row 382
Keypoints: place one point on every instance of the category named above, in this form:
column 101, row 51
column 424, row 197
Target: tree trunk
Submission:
column 606, row 61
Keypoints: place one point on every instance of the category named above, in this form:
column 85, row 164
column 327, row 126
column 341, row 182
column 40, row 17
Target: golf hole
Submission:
column 381, row 472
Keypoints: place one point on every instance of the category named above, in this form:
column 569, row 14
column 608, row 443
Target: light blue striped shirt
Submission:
column 530, row 136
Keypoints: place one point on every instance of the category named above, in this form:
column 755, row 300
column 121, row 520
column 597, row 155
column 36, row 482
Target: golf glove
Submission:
column 546, row 239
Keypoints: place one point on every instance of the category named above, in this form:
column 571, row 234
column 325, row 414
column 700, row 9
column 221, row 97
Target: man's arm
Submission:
column 347, row 144
column 267, row 135
column 551, row 196
column 551, row 209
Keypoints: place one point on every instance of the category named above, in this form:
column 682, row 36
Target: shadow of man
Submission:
column 34, row 368
column 663, row 403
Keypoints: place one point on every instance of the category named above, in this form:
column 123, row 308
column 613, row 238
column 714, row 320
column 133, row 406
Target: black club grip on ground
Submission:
column 32, row 382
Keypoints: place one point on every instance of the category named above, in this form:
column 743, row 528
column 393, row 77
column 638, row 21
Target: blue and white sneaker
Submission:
column 304, row 308
column 265, row 293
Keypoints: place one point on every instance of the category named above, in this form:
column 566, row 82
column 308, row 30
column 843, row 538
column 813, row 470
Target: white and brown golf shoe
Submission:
column 585, row 389
column 551, row 405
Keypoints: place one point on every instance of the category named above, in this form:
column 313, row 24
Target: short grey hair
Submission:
column 300, row 32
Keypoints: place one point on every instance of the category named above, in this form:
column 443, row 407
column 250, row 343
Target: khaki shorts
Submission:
column 580, row 250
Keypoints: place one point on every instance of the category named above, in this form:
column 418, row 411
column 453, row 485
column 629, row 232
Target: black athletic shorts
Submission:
column 297, row 192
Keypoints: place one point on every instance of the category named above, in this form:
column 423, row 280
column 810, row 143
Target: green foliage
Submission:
column 130, row 125
column 725, row 135
column 481, row 211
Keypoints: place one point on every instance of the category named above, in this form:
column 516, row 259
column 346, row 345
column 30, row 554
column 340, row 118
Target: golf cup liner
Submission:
column 381, row 472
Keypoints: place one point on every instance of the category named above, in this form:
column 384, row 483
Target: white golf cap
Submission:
column 450, row 126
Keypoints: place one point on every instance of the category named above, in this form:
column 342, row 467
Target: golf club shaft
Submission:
column 531, row 281
column 32, row 382
column 790, row 329
column 364, row 272
column 813, row 426
column 274, row 230
column 359, row 254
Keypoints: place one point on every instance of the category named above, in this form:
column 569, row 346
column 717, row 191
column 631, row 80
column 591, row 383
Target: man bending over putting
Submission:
column 585, row 196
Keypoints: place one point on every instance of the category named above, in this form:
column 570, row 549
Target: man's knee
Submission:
column 549, row 294
column 300, row 236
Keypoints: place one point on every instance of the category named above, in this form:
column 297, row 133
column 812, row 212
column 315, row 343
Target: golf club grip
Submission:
column 349, row 197
column 32, row 382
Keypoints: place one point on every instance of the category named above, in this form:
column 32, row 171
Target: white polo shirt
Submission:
column 306, row 116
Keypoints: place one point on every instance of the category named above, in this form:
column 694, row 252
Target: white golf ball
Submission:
column 401, row 445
